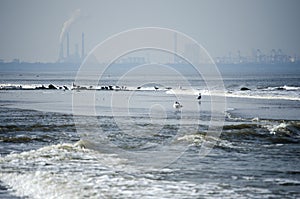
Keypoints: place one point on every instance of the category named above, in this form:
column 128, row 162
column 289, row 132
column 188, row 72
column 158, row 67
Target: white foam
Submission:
column 282, row 181
column 255, row 119
column 67, row 171
column 285, row 87
column 290, row 87
column 284, row 92
column 273, row 128
column 229, row 116
column 270, row 96
column 18, row 86
column 182, row 92
column 278, row 95
column 23, row 86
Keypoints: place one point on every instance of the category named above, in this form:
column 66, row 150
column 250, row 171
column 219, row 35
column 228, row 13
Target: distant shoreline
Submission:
column 242, row 70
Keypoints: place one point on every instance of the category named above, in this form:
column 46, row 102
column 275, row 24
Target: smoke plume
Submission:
column 67, row 24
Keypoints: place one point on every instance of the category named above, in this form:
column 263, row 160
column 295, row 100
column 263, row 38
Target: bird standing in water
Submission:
column 199, row 96
column 177, row 105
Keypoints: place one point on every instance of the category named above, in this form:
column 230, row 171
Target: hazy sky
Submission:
column 30, row 29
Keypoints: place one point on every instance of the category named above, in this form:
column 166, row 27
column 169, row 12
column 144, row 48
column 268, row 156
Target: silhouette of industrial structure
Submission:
column 75, row 57
column 191, row 51
column 258, row 57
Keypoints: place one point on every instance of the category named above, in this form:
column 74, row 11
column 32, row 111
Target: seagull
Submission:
column 199, row 96
column 177, row 105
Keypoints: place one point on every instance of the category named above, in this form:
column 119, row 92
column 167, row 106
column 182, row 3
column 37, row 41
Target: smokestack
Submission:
column 82, row 46
column 68, row 46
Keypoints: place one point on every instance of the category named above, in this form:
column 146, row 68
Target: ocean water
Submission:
column 134, row 144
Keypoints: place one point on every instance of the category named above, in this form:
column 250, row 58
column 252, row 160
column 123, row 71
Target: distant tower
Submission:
column 279, row 56
column 175, row 47
column 258, row 56
column 82, row 46
column 273, row 56
column 68, row 46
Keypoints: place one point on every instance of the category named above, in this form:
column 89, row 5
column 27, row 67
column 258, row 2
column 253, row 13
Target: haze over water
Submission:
column 64, row 136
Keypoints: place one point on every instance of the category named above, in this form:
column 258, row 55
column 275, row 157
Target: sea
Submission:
column 122, row 138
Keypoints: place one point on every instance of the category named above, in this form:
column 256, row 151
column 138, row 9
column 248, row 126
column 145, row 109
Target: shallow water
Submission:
column 47, row 152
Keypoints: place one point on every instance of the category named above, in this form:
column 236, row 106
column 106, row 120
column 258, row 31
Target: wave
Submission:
column 270, row 96
column 264, row 131
column 64, row 170
column 277, row 93
column 280, row 88
column 24, row 138
column 79, row 87
column 239, row 136
column 37, row 127
column 185, row 92
column 273, row 128
column 253, row 94
column 32, row 87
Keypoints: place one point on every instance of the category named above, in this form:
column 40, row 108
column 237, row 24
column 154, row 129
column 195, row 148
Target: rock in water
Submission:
column 245, row 89
column 51, row 86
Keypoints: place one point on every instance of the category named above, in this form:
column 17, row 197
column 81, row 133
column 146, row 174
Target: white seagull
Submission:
column 177, row 105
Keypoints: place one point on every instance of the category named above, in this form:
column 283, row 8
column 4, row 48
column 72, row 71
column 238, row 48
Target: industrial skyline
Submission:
column 257, row 56
column 74, row 57
column 32, row 30
column 67, row 54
